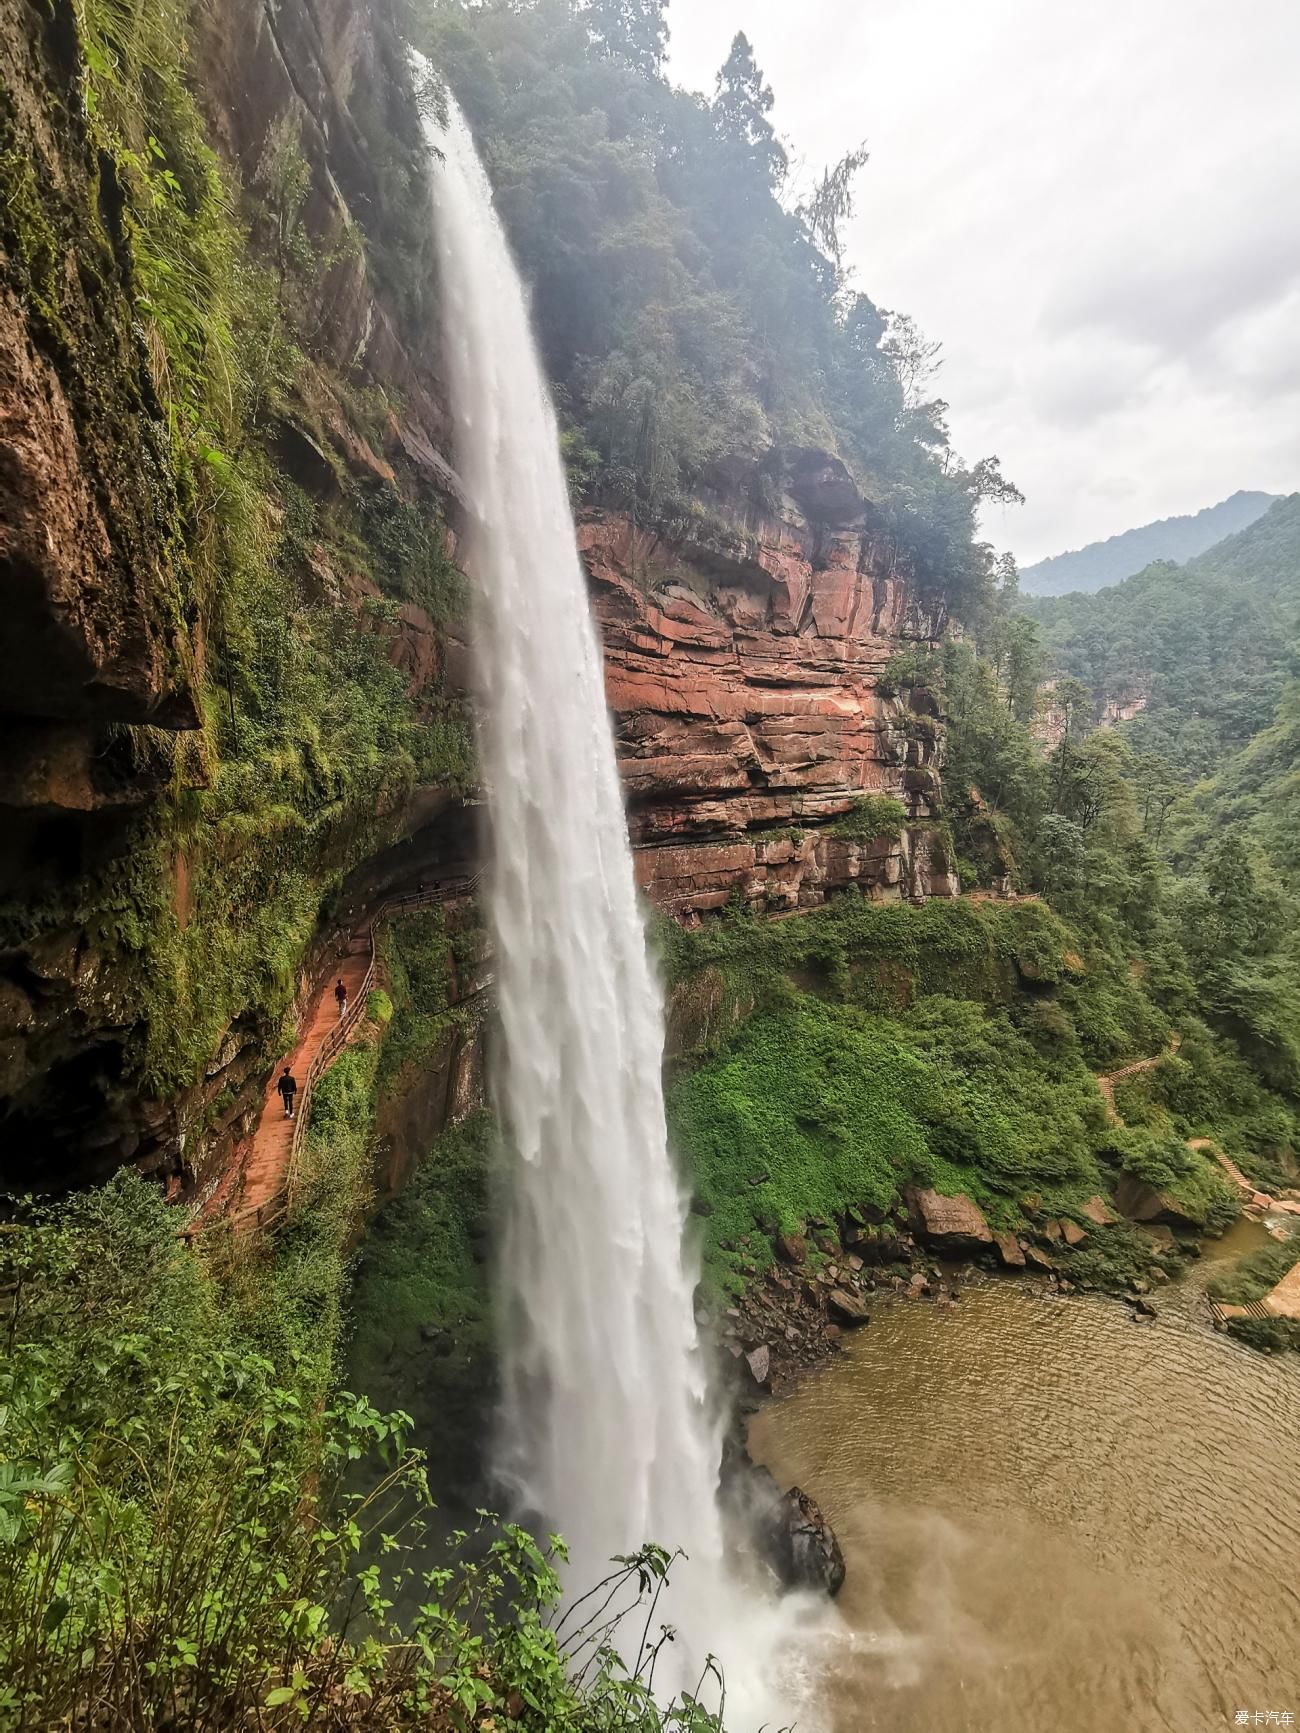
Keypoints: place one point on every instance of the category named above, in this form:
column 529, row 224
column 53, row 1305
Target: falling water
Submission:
column 606, row 1429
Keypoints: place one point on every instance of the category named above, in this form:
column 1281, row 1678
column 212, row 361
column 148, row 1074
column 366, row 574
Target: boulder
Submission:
column 1008, row 1247
column 801, row 1545
column 1072, row 1233
column 759, row 1361
column 1141, row 1202
column 1098, row 1211
column 848, row 1307
column 883, row 1247
column 1038, row 1259
column 954, row 1226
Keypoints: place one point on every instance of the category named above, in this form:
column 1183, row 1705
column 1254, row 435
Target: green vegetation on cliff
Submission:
column 290, row 606
column 688, row 307
column 838, row 1056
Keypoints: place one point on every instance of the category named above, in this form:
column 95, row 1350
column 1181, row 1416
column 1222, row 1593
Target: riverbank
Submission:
column 830, row 1280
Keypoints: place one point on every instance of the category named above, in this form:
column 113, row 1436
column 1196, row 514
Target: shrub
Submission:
column 182, row 1542
column 1269, row 1335
column 1251, row 1277
column 871, row 818
column 915, row 665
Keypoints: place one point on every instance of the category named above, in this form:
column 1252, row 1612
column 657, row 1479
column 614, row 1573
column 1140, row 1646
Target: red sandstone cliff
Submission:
column 743, row 660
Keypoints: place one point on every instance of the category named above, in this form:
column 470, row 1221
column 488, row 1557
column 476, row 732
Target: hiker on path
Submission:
column 288, row 1087
column 341, row 994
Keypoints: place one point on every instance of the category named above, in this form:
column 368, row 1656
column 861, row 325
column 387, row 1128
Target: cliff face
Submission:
column 746, row 657
column 92, row 628
column 173, row 851
column 331, row 74
column 165, row 849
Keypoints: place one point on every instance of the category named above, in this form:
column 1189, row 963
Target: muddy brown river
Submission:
column 1056, row 1519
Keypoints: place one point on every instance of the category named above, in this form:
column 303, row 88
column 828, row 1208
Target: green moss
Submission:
column 32, row 249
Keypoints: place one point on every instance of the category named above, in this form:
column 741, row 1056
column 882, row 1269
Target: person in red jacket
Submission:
column 341, row 994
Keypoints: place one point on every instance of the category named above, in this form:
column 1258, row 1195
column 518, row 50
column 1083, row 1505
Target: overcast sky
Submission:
column 1096, row 208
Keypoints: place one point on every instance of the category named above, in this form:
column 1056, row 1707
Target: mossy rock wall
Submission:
column 232, row 667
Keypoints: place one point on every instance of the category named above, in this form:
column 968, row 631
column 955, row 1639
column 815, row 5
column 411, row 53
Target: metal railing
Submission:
column 263, row 1215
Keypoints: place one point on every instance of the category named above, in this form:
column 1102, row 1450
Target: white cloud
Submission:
column 1092, row 205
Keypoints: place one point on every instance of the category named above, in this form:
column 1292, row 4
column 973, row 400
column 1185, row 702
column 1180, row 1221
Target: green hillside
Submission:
column 1206, row 643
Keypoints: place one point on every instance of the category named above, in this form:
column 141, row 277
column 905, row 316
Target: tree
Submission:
column 989, row 485
column 1157, row 786
column 632, row 31
column 1072, row 702
column 913, row 357
column 741, row 107
column 1061, row 854
column 831, row 203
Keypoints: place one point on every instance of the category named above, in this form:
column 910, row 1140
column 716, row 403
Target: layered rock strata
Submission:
column 747, row 656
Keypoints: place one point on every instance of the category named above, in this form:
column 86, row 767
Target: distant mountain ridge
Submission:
column 1118, row 557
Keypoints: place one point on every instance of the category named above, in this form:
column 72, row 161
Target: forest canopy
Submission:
column 689, row 307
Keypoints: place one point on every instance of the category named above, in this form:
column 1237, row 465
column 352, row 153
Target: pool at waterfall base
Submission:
column 1055, row 1516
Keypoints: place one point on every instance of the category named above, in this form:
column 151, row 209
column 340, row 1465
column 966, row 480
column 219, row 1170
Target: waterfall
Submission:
column 606, row 1430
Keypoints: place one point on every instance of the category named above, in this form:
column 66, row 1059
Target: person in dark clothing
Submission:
column 288, row 1087
column 341, row 994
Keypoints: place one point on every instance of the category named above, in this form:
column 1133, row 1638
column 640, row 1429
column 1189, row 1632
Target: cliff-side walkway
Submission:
column 276, row 1137
column 258, row 1190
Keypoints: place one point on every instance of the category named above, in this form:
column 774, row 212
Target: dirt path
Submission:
column 272, row 1146
column 256, row 1187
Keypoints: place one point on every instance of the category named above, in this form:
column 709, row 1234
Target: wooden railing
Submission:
column 265, row 1214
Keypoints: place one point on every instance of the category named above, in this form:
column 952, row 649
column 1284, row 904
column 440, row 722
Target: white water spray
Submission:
column 606, row 1430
